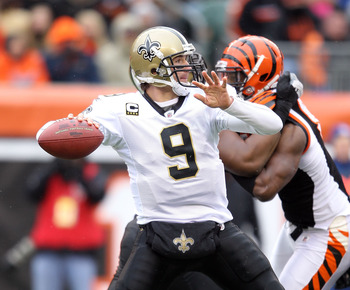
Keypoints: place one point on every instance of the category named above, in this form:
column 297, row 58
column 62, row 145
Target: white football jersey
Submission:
column 172, row 157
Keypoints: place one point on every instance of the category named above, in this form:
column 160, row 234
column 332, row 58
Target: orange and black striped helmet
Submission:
column 251, row 63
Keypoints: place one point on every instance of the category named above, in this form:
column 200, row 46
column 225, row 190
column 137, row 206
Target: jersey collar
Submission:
column 159, row 109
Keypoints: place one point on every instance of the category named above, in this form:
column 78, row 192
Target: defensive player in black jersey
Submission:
column 312, row 251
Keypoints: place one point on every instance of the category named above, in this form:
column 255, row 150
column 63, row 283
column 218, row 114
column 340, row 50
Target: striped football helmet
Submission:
column 251, row 63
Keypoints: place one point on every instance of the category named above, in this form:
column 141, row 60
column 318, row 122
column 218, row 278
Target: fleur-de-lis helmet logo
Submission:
column 146, row 49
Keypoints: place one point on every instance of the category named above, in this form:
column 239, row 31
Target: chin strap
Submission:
column 178, row 89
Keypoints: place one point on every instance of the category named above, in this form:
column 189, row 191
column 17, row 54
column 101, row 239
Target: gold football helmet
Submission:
column 152, row 55
column 251, row 63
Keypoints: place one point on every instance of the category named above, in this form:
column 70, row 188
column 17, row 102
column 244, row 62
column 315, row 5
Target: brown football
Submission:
column 69, row 138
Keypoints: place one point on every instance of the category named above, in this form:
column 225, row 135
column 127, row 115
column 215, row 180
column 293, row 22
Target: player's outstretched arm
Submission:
column 256, row 118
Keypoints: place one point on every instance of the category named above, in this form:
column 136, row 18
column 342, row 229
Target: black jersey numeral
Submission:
column 182, row 147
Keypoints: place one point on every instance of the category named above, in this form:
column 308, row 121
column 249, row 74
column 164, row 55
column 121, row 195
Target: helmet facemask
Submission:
column 236, row 76
column 196, row 65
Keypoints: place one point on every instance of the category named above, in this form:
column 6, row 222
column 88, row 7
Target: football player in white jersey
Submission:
column 312, row 251
column 168, row 137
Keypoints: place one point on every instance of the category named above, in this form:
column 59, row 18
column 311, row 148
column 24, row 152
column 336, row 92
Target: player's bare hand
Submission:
column 216, row 95
column 81, row 118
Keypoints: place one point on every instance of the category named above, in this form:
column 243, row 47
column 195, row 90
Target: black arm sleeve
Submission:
column 282, row 109
column 246, row 182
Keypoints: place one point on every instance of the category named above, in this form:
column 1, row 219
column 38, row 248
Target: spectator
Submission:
column 345, row 6
column 42, row 18
column 21, row 63
column 321, row 8
column 95, row 29
column 71, row 7
column 124, row 29
column 65, row 53
column 2, row 40
column 278, row 20
column 105, row 50
column 147, row 11
column 187, row 17
column 286, row 20
column 215, row 30
column 65, row 233
column 313, row 61
column 11, row 4
column 340, row 142
column 335, row 26
column 110, row 9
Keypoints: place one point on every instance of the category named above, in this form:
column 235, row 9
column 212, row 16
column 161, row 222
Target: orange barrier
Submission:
column 24, row 110
column 329, row 109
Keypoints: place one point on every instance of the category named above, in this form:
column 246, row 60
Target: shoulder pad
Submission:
column 113, row 95
column 266, row 98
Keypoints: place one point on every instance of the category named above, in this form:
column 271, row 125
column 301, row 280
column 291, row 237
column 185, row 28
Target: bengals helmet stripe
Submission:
column 231, row 57
column 256, row 56
column 254, row 50
column 274, row 63
column 228, row 56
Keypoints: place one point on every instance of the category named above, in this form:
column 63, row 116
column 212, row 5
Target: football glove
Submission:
column 289, row 89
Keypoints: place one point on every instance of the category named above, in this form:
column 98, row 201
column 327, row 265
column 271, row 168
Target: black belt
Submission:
column 297, row 232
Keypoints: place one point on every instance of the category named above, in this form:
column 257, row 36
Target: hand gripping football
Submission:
column 69, row 138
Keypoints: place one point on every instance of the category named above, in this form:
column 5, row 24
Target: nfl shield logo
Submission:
column 169, row 114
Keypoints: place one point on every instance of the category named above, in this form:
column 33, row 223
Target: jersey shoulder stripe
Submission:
column 299, row 122
column 266, row 98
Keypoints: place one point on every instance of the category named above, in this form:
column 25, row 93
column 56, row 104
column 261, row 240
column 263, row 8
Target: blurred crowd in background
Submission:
column 89, row 40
